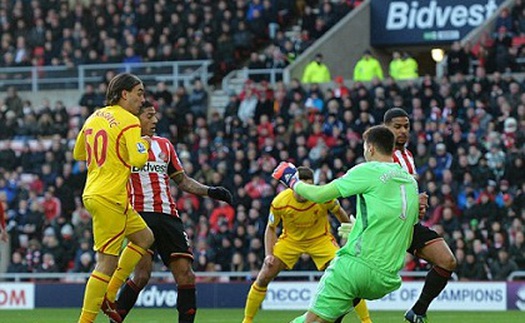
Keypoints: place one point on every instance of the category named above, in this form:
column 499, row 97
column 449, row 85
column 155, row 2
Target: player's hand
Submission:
column 287, row 174
column 269, row 260
column 423, row 204
column 220, row 193
column 345, row 228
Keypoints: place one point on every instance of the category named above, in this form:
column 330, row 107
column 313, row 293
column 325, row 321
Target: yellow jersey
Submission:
column 110, row 142
column 301, row 221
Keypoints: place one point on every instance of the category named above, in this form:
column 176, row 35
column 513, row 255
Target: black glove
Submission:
column 220, row 193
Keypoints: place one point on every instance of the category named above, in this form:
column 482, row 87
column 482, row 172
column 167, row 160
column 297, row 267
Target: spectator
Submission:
column 394, row 68
column 457, row 60
column 198, row 99
column 502, row 267
column 17, row 264
column 316, row 71
column 471, row 269
column 367, row 68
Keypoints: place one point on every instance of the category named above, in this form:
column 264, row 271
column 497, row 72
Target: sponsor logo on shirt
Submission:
column 151, row 167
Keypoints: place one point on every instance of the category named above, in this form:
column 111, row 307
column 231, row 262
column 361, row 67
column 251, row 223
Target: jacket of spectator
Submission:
column 367, row 68
column 316, row 71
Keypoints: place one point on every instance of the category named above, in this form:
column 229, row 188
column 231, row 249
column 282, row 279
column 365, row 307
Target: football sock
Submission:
column 253, row 301
column 186, row 303
column 362, row 311
column 435, row 282
column 127, row 262
column 93, row 296
column 127, row 297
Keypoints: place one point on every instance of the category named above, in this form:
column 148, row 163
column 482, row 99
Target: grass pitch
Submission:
column 58, row 315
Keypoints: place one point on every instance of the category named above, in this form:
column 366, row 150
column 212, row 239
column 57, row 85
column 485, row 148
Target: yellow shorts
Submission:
column 111, row 224
column 322, row 250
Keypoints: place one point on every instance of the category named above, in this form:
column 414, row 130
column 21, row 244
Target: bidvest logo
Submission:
column 153, row 297
column 412, row 15
column 151, row 167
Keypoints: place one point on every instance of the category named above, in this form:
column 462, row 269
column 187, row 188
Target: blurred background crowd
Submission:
column 467, row 134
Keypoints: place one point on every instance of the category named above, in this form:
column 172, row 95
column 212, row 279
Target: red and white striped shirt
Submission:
column 405, row 159
column 150, row 184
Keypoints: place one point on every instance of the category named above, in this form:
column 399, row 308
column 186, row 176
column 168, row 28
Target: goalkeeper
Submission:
column 305, row 230
column 368, row 266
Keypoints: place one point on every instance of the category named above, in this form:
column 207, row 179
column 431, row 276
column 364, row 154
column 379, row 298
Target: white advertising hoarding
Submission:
column 17, row 296
column 464, row 296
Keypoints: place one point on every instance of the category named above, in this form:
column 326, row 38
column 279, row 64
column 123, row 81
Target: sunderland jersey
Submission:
column 301, row 221
column 405, row 159
column 150, row 184
column 110, row 143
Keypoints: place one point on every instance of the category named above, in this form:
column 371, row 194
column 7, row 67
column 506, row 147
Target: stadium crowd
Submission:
column 57, row 33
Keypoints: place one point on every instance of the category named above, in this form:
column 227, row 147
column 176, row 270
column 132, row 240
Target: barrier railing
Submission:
column 515, row 274
column 37, row 78
column 272, row 75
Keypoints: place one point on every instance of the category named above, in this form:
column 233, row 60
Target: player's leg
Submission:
column 186, row 296
column 108, row 225
column 285, row 255
column 428, row 245
column 336, row 290
column 173, row 246
column 141, row 238
column 257, row 293
column 322, row 252
column 96, row 286
column 130, row 291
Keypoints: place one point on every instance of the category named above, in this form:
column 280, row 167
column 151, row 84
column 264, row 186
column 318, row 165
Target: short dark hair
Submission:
column 145, row 105
column 382, row 138
column 394, row 113
column 119, row 83
column 305, row 173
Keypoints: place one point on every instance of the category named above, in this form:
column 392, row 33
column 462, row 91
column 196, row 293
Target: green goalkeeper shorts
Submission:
column 346, row 279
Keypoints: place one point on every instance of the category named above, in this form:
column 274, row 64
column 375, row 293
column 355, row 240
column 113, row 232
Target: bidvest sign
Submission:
column 395, row 22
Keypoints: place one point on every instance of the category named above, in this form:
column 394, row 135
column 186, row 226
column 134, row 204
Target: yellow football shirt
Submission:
column 301, row 221
column 110, row 142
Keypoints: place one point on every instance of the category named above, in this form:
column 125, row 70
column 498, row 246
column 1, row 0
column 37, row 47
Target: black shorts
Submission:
column 422, row 236
column 170, row 239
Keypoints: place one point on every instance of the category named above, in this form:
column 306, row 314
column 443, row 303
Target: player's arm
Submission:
column 336, row 209
column 137, row 146
column 270, row 234
column 270, row 239
column 287, row 173
column 317, row 193
column 79, row 151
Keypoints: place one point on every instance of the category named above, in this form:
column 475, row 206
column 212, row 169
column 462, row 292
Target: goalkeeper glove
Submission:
column 287, row 174
column 345, row 228
column 220, row 193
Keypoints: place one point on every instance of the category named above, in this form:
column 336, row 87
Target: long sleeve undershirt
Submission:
column 317, row 193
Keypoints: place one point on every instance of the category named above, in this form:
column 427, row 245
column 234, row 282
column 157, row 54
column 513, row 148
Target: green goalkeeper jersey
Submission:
column 387, row 209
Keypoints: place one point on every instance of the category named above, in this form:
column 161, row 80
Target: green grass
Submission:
column 235, row 316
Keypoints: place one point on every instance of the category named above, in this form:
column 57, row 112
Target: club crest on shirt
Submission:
column 163, row 156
